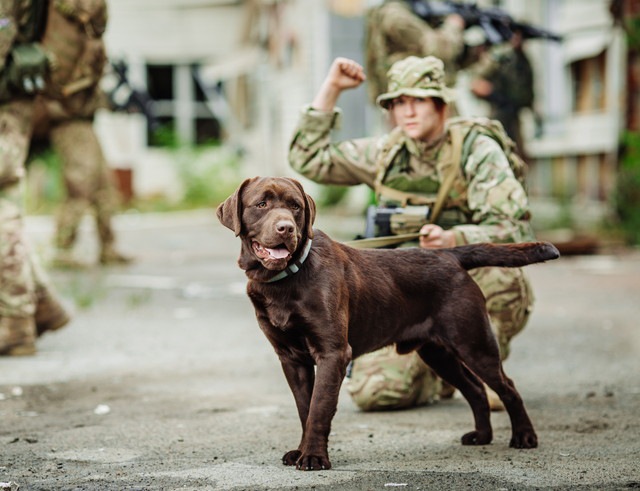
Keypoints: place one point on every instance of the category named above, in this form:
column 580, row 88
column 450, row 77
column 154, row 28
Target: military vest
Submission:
column 462, row 132
column 74, row 38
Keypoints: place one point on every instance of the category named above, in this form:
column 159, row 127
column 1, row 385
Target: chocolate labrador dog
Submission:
column 322, row 303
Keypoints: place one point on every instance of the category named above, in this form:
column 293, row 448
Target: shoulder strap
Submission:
column 452, row 172
column 389, row 150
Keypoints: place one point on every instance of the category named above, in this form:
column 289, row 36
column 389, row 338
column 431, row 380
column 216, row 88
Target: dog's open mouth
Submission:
column 270, row 253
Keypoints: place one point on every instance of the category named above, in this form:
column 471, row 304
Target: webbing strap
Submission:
column 378, row 242
column 454, row 166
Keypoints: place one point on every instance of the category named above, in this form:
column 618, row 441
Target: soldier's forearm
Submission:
column 327, row 97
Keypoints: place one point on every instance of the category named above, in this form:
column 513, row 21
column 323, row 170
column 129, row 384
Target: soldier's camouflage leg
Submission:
column 17, row 336
column 385, row 380
column 105, row 205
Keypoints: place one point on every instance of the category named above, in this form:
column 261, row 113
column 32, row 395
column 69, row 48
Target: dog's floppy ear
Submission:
column 229, row 212
column 309, row 209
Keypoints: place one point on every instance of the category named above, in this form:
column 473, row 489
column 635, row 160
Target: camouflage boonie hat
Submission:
column 416, row 77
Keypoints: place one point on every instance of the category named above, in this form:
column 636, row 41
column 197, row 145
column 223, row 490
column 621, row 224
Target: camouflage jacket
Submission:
column 491, row 204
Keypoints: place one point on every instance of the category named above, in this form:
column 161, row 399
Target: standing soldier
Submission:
column 394, row 31
column 28, row 305
column 74, row 35
column 504, row 78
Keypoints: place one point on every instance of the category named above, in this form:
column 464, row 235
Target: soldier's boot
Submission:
column 495, row 403
column 51, row 314
column 447, row 391
column 65, row 259
column 67, row 222
column 109, row 255
column 17, row 336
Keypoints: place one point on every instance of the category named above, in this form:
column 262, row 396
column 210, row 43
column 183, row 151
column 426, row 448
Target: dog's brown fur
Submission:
column 345, row 302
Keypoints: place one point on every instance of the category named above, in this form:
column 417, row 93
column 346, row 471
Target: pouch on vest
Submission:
column 25, row 73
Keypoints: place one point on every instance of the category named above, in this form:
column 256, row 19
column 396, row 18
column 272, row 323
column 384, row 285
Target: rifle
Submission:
column 124, row 97
column 497, row 24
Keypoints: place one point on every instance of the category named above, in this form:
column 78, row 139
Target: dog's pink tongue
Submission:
column 279, row 253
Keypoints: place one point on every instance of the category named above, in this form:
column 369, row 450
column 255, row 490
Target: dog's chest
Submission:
column 278, row 316
column 276, row 311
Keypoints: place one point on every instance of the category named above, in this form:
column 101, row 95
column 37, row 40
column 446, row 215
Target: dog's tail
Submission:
column 506, row 255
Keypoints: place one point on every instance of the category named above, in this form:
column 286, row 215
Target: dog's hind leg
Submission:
column 451, row 370
column 492, row 373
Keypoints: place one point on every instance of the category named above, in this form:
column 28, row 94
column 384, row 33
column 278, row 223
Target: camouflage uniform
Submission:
column 65, row 114
column 511, row 75
column 28, row 304
column 485, row 204
column 394, row 32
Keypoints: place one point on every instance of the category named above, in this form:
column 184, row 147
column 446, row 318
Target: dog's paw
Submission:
column 524, row 439
column 291, row 457
column 477, row 438
column 313, row 463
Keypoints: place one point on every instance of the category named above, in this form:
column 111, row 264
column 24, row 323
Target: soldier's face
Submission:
column 421, row 119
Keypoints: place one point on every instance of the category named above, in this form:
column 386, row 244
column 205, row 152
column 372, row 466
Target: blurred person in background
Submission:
column 64, row 115
column 29, row 306
column 393, row 32
column 504, row 78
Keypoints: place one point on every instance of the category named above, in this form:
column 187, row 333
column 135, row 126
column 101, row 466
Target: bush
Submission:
column 628, row 188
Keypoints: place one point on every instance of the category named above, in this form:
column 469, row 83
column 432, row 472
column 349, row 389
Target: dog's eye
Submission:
column 295, row 206
column 262, row 204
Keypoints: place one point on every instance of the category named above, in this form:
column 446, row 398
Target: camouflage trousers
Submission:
column 386, row 380
column 16, row 279
column 28, row 304
column 87, row 180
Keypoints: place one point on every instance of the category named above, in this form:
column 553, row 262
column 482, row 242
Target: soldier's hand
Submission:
column 345, row 74
column 436, row 237
column 481, row 87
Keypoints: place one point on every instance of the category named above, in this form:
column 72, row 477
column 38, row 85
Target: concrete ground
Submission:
column 163, row 381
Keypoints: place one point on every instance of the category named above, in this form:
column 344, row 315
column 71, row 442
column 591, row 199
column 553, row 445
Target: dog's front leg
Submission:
column 330, row 372
column 300, row 378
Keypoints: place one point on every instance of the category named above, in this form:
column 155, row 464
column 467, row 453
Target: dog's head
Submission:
column 274, row 218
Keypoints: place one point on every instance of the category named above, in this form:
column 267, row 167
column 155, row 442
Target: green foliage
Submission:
column 632, row 28
column 331, row 195
column 628, row 188
column 45, row 186
column 209, row 174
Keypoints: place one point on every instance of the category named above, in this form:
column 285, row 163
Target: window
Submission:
column 181, row 107
column 588, row 76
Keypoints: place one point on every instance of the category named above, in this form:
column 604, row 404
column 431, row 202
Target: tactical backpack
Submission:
column 474, row 126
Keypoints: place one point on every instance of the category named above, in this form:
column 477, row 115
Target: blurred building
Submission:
column 239, row 71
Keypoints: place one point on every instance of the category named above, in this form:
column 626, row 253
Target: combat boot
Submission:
column 64, row 259
column 109, row 256
column 50, row 314
column 17, row 336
